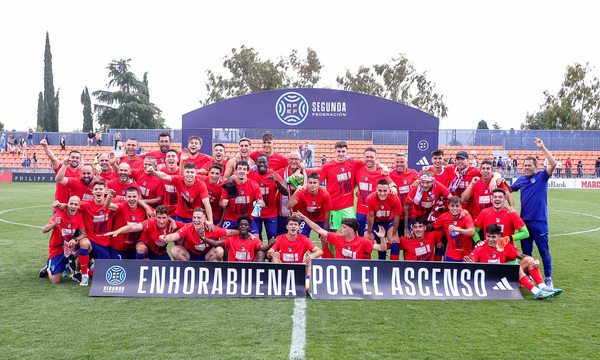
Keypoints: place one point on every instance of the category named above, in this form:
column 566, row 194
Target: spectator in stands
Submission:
column 558, row 168
column 495, row 163
column 323, row 160
column 500, row 166
column 474, row 162
column 117, row 138
column 90, row 138
column 98, row 138
column 515, row 166
column 35, row 162
column 568, row 166
column 597, row 167
column 30, row 138
column 22, row 146
column 11, row 144
column 309, row 161
column 579, row 169
column 46, row 137
column 63, row 142
column 3, row 144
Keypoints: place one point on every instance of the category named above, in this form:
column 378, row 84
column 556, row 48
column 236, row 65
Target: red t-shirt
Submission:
column 459, row 245
column 63, row 233
column 293, row 251
column 98, row 221
column 421, row 249
column 202, row 161
column 482, row 196
column 151, row 232
column 169, row 192
column 276, row 160
column 136, row 163
column 428, row 200
column 149, row 185
column 78, row 188
column 341, row 181
column 214, row 196
column 404, row 181
column 491, row 255
column 445, row 177
column 269, row 190
column 189, row 197
column 242, row 250
column 366, row 182
column 121, row 189
column 509, row 223
column 384, row 210
column 192, row 241
column 126, row 216
column 355, row 249
column 462, row 186
column 161, row 158
column 314, row 206
column 62, row 193
column 242, row 205
column 108, row 177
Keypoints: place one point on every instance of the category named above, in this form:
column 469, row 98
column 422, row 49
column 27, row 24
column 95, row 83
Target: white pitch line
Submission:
column 298, row 330
column 577, row 232
column 14, row 223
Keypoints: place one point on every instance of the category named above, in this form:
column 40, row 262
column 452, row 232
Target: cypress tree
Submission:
column 88, row 120
column 50, row 99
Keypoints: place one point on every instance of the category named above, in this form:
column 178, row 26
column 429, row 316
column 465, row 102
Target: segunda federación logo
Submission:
column 116, row 275
column 291, row 108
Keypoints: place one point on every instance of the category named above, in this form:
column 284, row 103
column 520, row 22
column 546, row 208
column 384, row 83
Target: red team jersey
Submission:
column 108, row 177
column 98, row 221
column 509, row 223
column 136, row 163
column 445, row 177
column 63, row 233
column 242, row 250
column 464, row 183
column 151, row 233
column 269, row 191
column 384, row 210
column 482, row 196
column 149, row 185
column 404, row 182
column 242, row 205
column 355, row 249
column 125, row 216
column 491, row 255
column 459, row 245
column 428, row 200
column 366, row 182
column 78, row 188
column 276, row 160
column 214, row 196
column 121, row 189
column 421, row 249
column 62, row 193
column 169, row 192
column 161, row 158
column 189, row 197
column 314, row 206
column 192, row 241
column 293, row 251
column 202, row 161
column 341, row 181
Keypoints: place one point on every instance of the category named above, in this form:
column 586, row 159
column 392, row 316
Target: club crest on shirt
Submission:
column 532, row 180
column 262, row 184
column 289, row 249
column 342, row 169
column 242, row 192
column 348, row 247
column 69, row 225
column 187, row 193
column 132, row 217
column 494, row 255
column 366, row 178
column 455, row 222
column 100, row 212
column 144, row 183
column 314, row 202
column 497, row 220
column 404, row 181
column 381, row 206
column 243, row 248
column 485, row 191
column 420, row 243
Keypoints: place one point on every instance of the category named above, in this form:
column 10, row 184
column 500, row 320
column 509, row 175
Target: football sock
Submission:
column 84, row 259
column 526, row 281
column 395, row 251
column 537, row 277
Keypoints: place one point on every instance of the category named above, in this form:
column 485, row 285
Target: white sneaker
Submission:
column 84, row 280
column 549, row 283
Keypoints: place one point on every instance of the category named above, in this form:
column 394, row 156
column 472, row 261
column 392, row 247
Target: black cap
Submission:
column 462, row 154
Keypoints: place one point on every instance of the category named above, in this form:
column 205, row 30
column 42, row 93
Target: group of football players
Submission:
column 218, row 209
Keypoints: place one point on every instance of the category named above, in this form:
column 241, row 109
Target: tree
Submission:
column 50, row 114
column 496, row 126
column 41, row 110
column 250, row 74
column 576, row 106
column 482, row 125
column 128, row 107
column 398, row 81
column 1, row 126
column 88, row 119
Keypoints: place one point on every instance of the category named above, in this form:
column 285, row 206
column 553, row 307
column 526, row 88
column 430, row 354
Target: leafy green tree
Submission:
column 496, row 126
column 41, row 110
column 88, row 119
column 248, row 73
column 129, row 106
column 482, row 125
column 398, row 81
column 576, row 106
column 50, row 122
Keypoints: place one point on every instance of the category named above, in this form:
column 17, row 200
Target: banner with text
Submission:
column 146, row 278
column 411, row 280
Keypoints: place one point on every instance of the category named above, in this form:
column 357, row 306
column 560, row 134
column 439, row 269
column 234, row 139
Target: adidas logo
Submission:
column 503, row 285
column 423, row 161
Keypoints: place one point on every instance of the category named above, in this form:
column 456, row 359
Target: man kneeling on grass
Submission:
column 499, row 250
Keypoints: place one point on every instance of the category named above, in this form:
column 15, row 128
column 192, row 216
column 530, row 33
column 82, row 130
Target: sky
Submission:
column 489, row 60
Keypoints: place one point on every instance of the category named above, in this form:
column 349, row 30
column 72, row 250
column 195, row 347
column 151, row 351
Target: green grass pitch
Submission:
column 45, row 321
